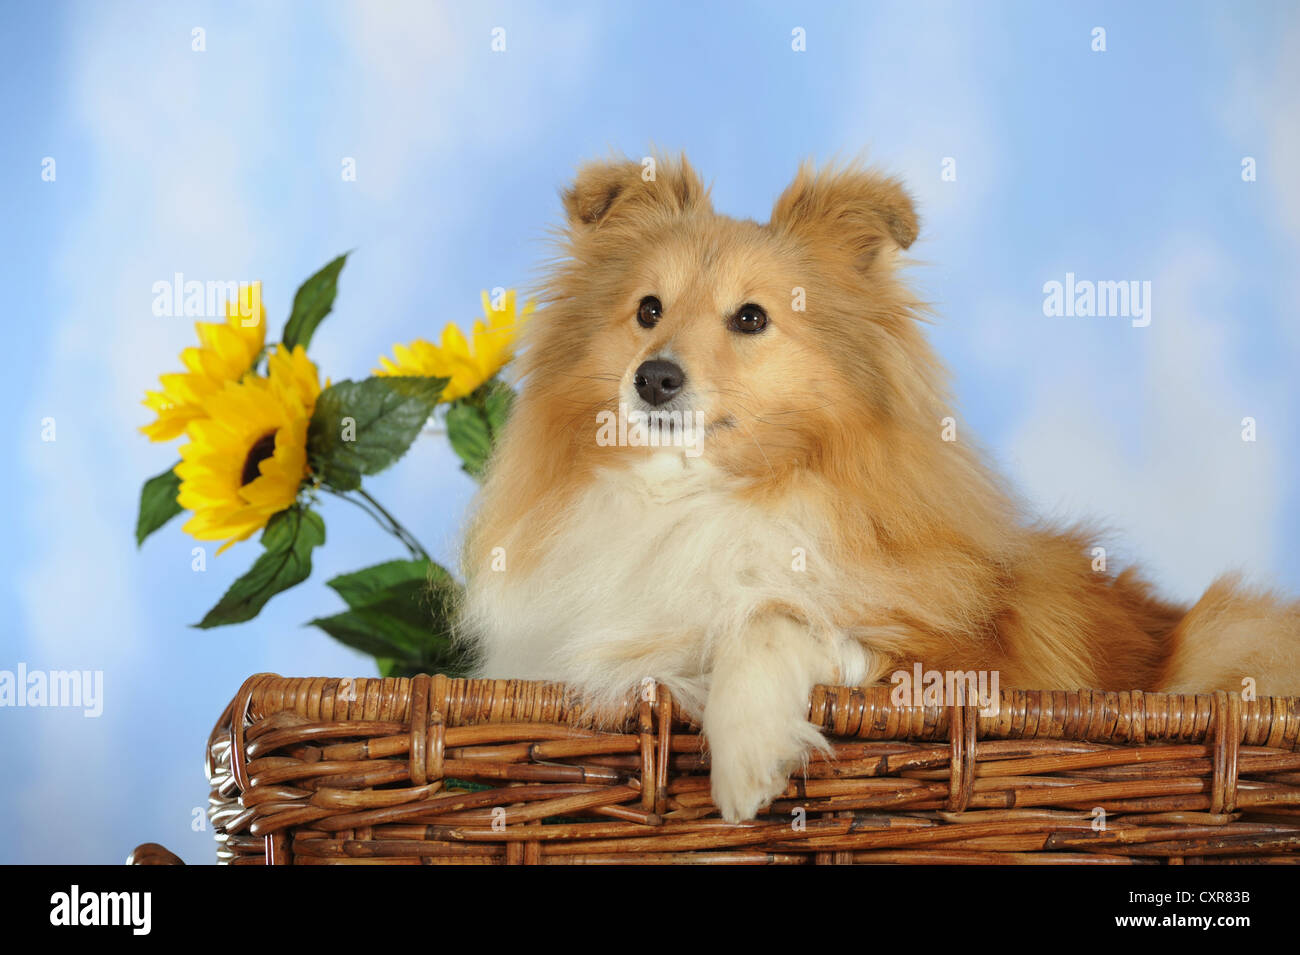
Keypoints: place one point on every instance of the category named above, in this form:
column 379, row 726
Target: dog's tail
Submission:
column 1236, row 639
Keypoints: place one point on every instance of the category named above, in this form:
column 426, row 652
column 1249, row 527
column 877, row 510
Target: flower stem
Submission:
column 406, row 535
column 385, row 520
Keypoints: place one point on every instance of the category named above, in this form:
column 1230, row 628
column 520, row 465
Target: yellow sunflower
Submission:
column 468, row 364
column 225, row 353
column 247, row 454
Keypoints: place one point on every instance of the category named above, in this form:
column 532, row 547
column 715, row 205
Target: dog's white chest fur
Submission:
column 648, row 571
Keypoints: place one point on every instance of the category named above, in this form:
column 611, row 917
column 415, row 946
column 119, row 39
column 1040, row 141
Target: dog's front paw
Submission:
column 751, row 765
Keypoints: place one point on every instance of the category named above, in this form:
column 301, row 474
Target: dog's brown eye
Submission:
column 649, row 312
column 750, row 319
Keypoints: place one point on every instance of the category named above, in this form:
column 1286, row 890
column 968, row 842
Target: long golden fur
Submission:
column 827, row 532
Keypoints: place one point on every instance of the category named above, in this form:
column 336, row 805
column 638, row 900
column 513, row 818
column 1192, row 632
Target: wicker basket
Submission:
column 441, row 770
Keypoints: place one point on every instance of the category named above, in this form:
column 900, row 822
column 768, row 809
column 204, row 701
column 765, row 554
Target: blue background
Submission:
column 225, row 164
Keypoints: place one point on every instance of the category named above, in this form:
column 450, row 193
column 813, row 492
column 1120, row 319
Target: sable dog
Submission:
column 822, row 531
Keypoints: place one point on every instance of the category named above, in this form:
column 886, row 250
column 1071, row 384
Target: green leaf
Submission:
column 474, row 423
column 312, row 302
column 470, row 435
column 361, row 427
column 402, row 630
column 400, row 612
column 500, row 398
column 288, row 541
column 157, row 503
column 373, row 633
column 364, row 587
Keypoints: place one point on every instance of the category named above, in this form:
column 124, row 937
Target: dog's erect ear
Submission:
column 604, row 190
column 853, row 209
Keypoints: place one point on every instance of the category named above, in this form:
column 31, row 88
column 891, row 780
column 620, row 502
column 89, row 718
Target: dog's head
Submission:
column 756, row 345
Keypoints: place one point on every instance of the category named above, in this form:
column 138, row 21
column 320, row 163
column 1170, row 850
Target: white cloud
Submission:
column 422, row 77
column 1259, row 113
column 404, row 66
column 177, row 154
column 163, row 167
column 1189, row 498
column 913, row 122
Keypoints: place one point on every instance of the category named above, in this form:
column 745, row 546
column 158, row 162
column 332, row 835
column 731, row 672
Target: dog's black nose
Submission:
column 658, row 381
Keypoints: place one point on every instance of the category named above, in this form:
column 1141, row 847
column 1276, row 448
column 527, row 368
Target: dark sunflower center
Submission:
column 262, row 449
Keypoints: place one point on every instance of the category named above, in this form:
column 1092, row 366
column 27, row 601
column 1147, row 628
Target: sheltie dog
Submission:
column 728, row 470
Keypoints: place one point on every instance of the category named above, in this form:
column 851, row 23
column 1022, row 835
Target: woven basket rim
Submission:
column 319, row 769
column 1117, row 716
